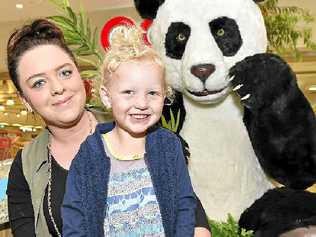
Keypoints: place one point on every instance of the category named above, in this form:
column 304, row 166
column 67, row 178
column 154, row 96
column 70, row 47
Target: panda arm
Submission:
column 278, row 211
column 279, row 119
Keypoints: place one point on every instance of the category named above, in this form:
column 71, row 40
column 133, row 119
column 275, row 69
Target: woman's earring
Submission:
column 26, row 104
column 29, row 108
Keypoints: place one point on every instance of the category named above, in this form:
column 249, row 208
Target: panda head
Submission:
column 201, row 40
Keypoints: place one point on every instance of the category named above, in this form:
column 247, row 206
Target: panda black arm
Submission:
column 280, row 210
column 279, row 119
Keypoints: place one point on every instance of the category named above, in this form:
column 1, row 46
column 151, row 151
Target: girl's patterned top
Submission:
column 131, row 206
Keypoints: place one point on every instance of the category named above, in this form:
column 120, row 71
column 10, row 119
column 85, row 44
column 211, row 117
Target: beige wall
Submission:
column 98, row 18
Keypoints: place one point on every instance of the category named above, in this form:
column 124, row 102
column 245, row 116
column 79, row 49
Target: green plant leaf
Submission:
column 72, row 37
column 172, row 120
column 81, row 26
column 282, row 26
column 86, row 61
column 58, row 3
column 66, row 3
column 64, row 23
column 88, row 74
column 178, row 120
column 164, row 122
column 88, row 29
column 230, row 228
column 95, row 39
column 72, row 15
column 83, row 48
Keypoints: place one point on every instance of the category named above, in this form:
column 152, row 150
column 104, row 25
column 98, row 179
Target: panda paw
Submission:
column 259, row 79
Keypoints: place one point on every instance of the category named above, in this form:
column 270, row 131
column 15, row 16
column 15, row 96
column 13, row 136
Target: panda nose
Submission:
column 203, row 71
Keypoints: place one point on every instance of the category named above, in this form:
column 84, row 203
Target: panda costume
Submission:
column 245, row 120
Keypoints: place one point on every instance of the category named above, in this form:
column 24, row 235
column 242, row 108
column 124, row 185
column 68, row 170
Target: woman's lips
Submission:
column 62, row 101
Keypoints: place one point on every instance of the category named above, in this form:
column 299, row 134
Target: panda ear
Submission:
column 147, row 9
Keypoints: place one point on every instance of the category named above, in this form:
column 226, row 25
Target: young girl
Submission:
column 130, row 178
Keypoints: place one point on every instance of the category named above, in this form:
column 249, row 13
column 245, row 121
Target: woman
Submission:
column 46, row 76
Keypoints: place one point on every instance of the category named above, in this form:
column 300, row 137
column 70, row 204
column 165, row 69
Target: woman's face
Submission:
column 51, row 85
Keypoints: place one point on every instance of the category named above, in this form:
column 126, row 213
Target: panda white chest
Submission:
column 223, row 167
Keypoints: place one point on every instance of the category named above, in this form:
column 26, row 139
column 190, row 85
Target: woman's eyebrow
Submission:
column 36, row 75
column 43, row 73
column 63, row 65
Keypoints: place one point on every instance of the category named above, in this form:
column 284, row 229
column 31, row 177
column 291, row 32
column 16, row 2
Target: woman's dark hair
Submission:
column 39, row 32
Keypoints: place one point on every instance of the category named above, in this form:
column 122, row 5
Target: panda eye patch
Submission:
column 176, row 39
column 226, row 34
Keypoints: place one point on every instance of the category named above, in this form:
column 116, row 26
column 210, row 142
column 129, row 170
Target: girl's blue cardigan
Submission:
column 83, row 210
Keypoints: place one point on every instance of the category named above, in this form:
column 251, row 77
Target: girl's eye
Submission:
column 128, row 92
column 153, row 93
column 65, row 73
column 38, row 84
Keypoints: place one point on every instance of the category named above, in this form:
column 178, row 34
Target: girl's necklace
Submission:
column 120, row 157
column 50, row 180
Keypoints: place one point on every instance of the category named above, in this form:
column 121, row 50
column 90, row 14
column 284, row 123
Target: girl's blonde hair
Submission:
column 127, row 44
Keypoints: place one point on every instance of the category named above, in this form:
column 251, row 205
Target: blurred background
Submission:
column 18, row 127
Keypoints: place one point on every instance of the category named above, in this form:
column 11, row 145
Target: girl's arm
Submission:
column 187, row 201
column 20, row 208
column 201, row 232
column 202, row 228
column 72, row 208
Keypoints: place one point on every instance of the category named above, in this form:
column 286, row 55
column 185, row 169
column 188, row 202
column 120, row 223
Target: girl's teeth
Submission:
column 139, row 116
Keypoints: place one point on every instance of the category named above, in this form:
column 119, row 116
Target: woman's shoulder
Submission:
column 35, row 153
column 38, row 142
column 16, row 165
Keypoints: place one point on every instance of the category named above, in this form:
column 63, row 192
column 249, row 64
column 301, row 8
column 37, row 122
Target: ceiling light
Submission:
column 5, row 114
column 18, row 115
column 312, row 88
column 19, row 5
column 26, row 128
column 16, row 125
column 2, row 108
column 23, row 112
column 10, row 102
